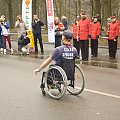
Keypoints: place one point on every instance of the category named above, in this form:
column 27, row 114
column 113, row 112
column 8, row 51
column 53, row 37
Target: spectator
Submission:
column 5, row 34
column 112, row 33
column 59, row 28
column 23, row 43
column 64, row 22
column 94, row 34
column 84, row 26
column 36, row 27
column 76, row 42
column 98, row 18
column 20, row 25
column 1, row 43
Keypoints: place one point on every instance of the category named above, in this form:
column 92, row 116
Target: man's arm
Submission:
column 44, row 64
column 33, row 24
column 42, row 24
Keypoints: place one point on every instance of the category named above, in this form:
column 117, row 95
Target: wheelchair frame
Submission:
column 64, row 83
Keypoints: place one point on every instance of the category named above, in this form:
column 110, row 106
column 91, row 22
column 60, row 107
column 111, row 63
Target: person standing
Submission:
column 59, row 28
column 1, row 43
column 112, row 33
column 84, row 26
column 20, row 25
column 64, row 22
column 94, row 34
column 5, row 34
column 36, row 27
column 76, row 42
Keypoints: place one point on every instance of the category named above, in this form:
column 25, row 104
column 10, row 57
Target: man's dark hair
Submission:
column 68, row 35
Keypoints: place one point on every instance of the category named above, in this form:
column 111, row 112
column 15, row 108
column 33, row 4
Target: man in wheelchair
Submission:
column 64, row 56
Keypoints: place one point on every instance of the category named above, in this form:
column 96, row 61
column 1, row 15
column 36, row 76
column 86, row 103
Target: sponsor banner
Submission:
column 50, row 19
column 27, row 12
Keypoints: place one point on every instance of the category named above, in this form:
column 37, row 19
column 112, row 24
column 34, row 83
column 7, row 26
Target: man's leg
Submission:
column 96, row 47
column 57, row 41
column 9, row 42
column 110, row 48
column 82, row 49
column 35, row 43
column 40, row 42
column 4, row 41
column 92, row 48
column 86, row 49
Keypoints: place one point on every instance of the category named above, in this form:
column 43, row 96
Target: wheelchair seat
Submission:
column 68, row 65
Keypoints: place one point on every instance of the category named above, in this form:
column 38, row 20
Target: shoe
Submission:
column 11, row 50
column 111, row 58
column 42, row 52
column 1, row 49
column 36, row 52
column 5, row 51
column 27, row 53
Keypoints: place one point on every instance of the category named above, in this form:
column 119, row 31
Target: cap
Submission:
column 63, row 17
column 113, row 17
column 68, row 34
column 94, row 16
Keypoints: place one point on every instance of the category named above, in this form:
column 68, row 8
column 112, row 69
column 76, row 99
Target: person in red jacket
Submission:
column 94, row 34
column 112, row 33
column 76, row 42
column 84, row 26
column 59, row 28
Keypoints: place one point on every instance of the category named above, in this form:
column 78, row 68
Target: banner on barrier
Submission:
column 50, row 19
column 27, row 12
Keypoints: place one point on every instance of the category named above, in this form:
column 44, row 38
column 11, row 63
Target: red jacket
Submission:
column 84, row 27
column 75, row 30
column 113, row 31
column 119, row 25
column 94, row 30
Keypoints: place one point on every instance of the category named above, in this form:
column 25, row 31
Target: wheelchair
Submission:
column 61, row 78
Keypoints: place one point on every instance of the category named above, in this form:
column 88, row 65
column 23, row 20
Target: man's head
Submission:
column 67, row 36
column 113, row 19
column 57, row 20
column 35, row 17
column 83, row 15
column 19, row 17
column 3, row 17
column 95, row 18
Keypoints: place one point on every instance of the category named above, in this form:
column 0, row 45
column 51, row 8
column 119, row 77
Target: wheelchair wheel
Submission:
column 56, row 82
column 79, row 82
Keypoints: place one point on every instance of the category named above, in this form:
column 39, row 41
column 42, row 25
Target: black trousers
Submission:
column 84, row 45
column 76, row 44
column 58, row 39
column 94, row 47
column 112, row 48
column 39, row 37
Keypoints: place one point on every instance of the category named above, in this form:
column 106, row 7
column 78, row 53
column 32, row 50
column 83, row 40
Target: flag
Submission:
column 27, row 12
column 50, row 20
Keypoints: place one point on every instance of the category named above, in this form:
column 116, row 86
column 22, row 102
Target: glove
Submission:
column 89, row 36
column 97, row 36
column 116, row 38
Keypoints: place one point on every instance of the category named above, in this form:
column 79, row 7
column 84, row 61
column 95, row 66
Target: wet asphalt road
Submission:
column 21, row 98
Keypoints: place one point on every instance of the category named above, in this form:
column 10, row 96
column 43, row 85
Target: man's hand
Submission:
column 36, row 71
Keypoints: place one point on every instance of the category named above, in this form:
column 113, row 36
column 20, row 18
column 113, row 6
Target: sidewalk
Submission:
column 102, row 60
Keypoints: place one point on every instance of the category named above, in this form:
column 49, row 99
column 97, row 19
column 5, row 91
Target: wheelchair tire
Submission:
column 79, row 82
column 56, row 85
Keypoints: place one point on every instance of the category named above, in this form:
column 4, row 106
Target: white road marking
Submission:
column 102, row 93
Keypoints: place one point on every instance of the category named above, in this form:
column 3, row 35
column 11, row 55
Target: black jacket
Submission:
column 36, row 27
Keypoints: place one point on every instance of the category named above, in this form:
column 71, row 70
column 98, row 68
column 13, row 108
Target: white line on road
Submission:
column 102, row 93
